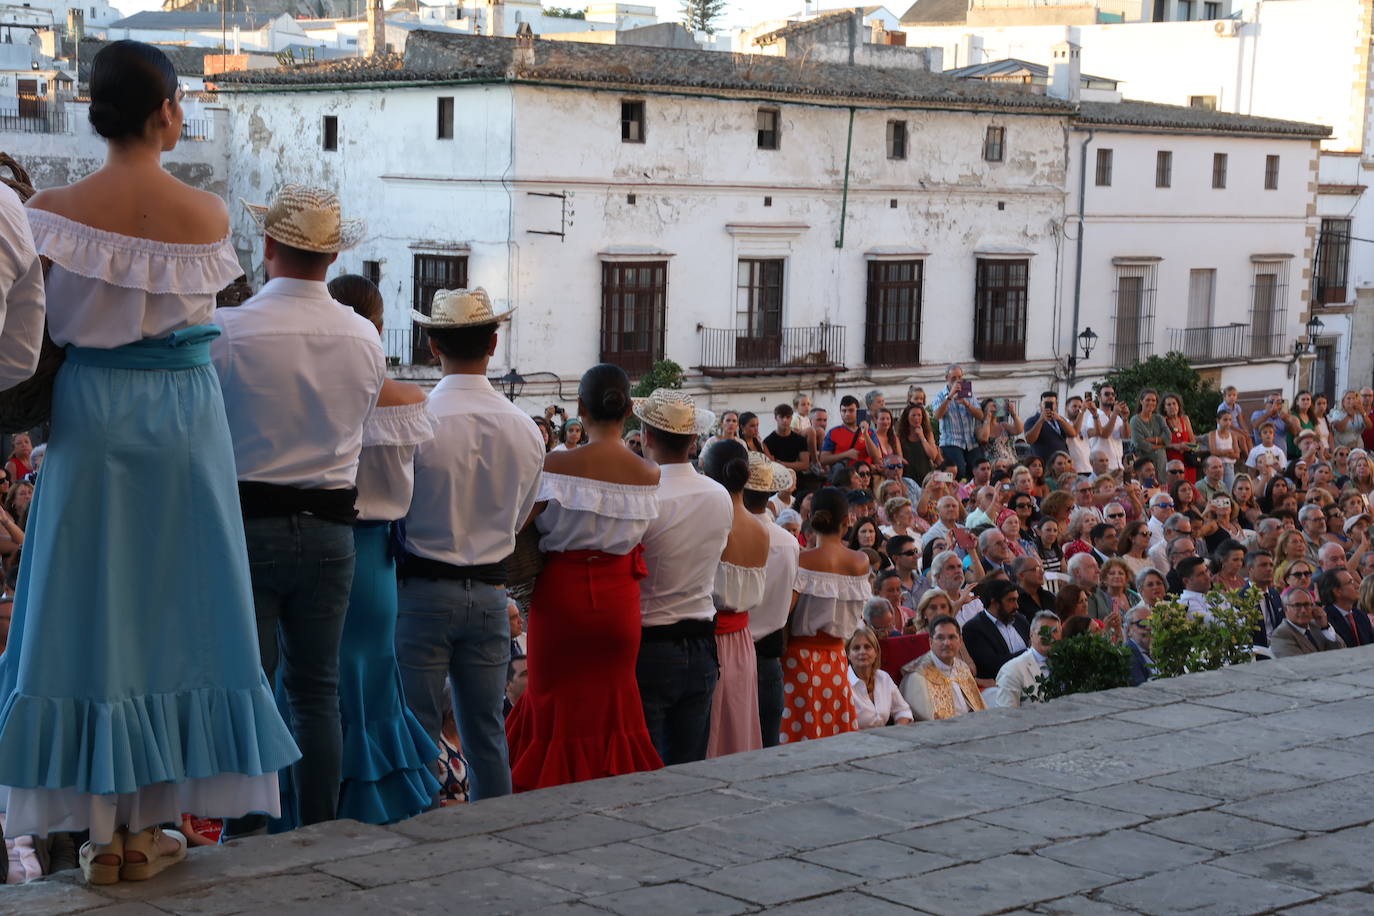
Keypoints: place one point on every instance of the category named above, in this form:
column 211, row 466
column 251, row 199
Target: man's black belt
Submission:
column 413, row 567
column 270, row 500
column 770, row 646
column 683, row 629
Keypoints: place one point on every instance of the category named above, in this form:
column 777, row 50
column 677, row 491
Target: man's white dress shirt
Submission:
column 22, row 303
column 300, row 374
column 477, row 479
column 780, row 572
column 1014, row 677
column 683, row 545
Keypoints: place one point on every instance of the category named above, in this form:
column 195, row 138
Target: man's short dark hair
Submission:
column 1139, row 464
column 995, row 590
column 1327, row 583
column 1254, row 555
column 1049, row 394
column 756, row 501
column 302, row 261
column 849, row 401
column 940, row 620
column 675, row 444
column 897, row 543
column 783, row 410
column 1100, row 529
column 1188, row 565
column 883, row 577
column 464, row 344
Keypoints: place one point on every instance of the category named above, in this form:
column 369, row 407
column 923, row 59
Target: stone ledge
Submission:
column 1203, row 786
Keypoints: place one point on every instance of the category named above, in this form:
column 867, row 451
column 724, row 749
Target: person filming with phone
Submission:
column 1047, row 431
column 959, row 416
column 852, row 441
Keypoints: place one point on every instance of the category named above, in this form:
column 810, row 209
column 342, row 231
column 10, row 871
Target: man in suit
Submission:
column 1021, row 672
column 1339, row 592
column 998, row 633
column 1259, row 574
column 1139, row 637
column 1301, row 631
column 1029, row 575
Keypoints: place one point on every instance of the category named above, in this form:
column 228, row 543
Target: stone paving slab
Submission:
column 1229, row 792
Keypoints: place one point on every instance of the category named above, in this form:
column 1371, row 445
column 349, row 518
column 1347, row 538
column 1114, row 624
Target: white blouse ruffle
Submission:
column 738, row 588
column 386, row 465
column 142, row 288
column 829, row 603
column 585, row 514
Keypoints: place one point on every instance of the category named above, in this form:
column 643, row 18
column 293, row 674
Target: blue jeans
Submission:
column 770, row 699
column 959, row 457
column 677, row 679
column 458, row 629
column 302, row 569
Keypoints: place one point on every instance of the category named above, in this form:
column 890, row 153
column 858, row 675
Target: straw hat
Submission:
column 673, row 412
column 760, row 473
column 307, row 218
column 460, row 308
column 783, row 478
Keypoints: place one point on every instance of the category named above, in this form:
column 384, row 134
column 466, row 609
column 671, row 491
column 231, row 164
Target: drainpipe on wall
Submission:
column 1078, row 256
column 844, row 196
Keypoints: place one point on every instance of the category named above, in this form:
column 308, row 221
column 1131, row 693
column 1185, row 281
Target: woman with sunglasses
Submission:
column 1133, row 547
column 1294, row 574
column 863, row 476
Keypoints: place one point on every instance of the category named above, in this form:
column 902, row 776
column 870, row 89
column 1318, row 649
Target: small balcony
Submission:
column 728, row 352
column 1224, row 343
column 407, row 347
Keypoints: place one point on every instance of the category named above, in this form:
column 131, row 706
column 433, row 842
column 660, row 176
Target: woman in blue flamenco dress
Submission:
column 131, row 691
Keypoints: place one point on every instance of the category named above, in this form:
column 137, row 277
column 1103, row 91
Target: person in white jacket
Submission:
column 22, row 301
column 876, row 697
column 1021, row 672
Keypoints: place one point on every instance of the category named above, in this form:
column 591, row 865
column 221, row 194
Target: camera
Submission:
column 1047, row 406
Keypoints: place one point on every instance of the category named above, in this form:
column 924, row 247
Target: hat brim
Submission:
column 351, row 232
column 703, row 420
column 428, row 321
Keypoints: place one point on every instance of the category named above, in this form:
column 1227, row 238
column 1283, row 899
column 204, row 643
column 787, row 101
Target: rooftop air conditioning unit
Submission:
column 1226, row 28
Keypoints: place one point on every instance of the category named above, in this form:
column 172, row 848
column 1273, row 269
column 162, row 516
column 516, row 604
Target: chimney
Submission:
column 523, row 59
column 496, row 17
column 1065, row 73
column 973, row 50
column 376, row 28
column 879, row 32
column 76, row 24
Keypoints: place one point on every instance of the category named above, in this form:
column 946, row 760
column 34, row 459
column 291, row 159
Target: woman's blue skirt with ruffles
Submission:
column 132, row 690
column 388, row 759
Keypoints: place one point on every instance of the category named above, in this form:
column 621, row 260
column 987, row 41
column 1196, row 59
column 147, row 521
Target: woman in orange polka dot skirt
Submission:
column 832, row 584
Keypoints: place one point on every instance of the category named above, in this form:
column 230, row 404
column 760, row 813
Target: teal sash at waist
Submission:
column 184, row 349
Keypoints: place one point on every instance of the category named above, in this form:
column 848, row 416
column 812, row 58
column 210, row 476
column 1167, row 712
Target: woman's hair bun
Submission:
column 129, row 82
column 727, row 463
column 605, row 392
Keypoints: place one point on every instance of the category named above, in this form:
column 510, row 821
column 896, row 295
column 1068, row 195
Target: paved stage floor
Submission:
column 1248, row 790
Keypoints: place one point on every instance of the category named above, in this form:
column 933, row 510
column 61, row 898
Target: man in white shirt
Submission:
column 1106, row 424
column 1021, row 673
column 768, row 618
column 677, row 668
column 22, row 303
column 475, row 486
column 1197, row 580
column 300, row 373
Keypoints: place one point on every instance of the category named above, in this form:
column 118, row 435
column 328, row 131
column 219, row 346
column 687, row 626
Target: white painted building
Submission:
column 235, row 31
column 772, row 227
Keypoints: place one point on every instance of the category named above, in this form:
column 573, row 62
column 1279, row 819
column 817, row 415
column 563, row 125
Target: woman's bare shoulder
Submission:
column 397, row 394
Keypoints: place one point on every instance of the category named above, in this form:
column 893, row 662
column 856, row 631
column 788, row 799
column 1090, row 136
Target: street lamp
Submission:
column 512, row 383
column 1303, row 347
column 1087, row 339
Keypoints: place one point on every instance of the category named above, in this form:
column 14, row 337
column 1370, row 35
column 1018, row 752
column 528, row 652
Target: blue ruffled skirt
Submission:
column 132, row 690
column 387, row 757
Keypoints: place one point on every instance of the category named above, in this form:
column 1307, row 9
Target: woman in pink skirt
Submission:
column 739, row 587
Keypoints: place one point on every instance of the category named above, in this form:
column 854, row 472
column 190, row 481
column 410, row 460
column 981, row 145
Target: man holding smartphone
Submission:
column 1106, row 425
column 959, row 417
column 1046, row 431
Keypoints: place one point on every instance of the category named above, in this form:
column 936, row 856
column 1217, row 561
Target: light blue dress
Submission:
column 132, row 691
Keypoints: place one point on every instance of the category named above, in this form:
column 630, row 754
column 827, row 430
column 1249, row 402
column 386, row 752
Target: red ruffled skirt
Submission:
column 816, row 702
column 580, row 716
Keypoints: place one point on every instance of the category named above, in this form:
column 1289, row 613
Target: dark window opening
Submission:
column 767, row 121
column 331, row 132
column 994, row 144
column 631, row 122
column 892, row 335
column 1000, row 299
column 633, row 311
column 446, row 118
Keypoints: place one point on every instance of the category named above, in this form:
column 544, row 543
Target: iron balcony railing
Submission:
column 51, row 121
column 1225, row 342
column 407, row 347
column 807, row 349
column 197, row 129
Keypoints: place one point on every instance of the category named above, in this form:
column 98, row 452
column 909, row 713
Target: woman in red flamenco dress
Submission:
column 581, row 716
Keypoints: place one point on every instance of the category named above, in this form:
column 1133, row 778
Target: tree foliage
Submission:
column 663, row 374
column 702, row 15
column 564, row 12
column 1186, row 642
column 1169, row 374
